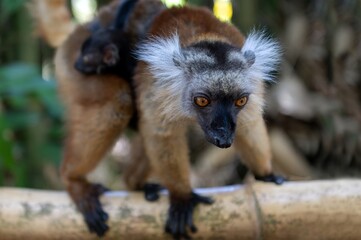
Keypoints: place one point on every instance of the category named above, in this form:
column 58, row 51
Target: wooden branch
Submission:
column 296, row 210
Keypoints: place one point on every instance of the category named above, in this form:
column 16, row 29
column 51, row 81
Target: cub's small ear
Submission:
column 111, row 54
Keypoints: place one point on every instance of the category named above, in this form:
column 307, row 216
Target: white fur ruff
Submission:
column 159, row 54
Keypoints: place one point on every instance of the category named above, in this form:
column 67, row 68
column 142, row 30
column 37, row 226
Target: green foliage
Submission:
column 30, row 126
column 7, row 7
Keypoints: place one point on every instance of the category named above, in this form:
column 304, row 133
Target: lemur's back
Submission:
column 191, row 23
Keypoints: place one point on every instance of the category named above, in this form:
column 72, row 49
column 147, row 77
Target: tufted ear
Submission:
column 262, row 55
column 166, row 62
column 164, row 57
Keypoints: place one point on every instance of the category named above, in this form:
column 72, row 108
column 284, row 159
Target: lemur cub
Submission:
column 93, row 71
column 195, row 69
column 107, row 49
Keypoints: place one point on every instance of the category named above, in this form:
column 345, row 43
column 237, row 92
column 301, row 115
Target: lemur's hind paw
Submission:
column 151, row 191
column 90, row 207
column 272, row 178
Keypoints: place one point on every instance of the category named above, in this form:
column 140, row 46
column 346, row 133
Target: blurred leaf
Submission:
column 18, row 120
column 8, row 7
column 50, row 100
column 19, row 79
column 20, row 176
column 51, row 151
column 56, row 132
column 17, row 102
column 31, row 111
column 6, row 147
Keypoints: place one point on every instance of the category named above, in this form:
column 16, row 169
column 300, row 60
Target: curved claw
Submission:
column 272, row 178
column 180, row 215
column 151, row 191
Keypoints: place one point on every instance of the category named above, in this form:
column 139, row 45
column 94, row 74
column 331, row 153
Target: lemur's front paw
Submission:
column 271, row 178
column 180, row 215
column 89, row 205
column 151, row 191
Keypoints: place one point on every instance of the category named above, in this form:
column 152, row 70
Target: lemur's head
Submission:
column 210, row 80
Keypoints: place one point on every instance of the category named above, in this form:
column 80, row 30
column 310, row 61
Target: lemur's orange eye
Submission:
column 201, row 101
column 241, row 101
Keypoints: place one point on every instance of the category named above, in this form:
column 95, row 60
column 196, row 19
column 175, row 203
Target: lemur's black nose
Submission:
column 223, row 143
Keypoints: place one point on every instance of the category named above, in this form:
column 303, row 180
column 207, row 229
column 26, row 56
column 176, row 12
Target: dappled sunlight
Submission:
column 84, row 10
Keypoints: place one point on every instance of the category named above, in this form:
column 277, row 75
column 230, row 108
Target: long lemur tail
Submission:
column 52, row 20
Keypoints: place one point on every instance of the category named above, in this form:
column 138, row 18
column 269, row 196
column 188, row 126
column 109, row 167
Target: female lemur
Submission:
column 93, row 68
column 195, row 69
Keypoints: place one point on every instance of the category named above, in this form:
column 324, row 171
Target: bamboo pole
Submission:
column 295, row 210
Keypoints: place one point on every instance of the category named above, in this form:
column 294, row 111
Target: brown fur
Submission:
column 138, row 172
column 165, row 142
column 98, row 108
column 107, row 13
column 141, row 19
column 164, row 137
column 194, row 24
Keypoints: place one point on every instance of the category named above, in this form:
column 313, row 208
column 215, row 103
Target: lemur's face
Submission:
column 210, row 80
column 98, row 53
column 217, row 115
column 217, row 92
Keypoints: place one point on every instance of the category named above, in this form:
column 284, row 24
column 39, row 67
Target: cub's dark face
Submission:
column 99, row 52
column 217, row 115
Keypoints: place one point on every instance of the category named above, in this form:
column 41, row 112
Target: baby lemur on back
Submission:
column 106, row 50
column 93, row 69
column 195, row 69
column 110, row 50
